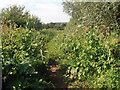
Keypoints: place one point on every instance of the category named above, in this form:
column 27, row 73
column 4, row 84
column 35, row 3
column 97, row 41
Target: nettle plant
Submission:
column 90, row 59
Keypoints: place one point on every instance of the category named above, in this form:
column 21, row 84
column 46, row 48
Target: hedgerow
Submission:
column 23, row 61
column 92, row 59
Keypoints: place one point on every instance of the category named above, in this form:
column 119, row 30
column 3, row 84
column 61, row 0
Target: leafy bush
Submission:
column 92, row 59
column 22, row 58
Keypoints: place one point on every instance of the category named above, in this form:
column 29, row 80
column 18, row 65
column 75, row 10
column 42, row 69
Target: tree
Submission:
column 63, row 26
column 34, row 22
column 93, row 13
column 45, row 26
column 15, row 14
column 51, row 25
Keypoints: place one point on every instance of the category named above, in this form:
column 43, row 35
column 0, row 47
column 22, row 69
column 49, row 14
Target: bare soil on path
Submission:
column 57, row 77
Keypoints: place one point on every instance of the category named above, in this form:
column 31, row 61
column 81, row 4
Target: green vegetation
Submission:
column 17, row 15
column 23, row 59
column 53, row 26
column 92, row 14
column 0, row 53
column 87, row 51
column 92, row 61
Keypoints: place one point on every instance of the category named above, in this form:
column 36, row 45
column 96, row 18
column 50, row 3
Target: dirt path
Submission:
column 57, row 77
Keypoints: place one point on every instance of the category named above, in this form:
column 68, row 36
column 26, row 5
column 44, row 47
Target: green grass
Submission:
column 53, row 46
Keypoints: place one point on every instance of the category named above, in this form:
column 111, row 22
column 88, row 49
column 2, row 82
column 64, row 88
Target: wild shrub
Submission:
column 22, row 58
column 91, row 59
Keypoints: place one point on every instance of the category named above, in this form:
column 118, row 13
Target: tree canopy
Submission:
column 93, row 13
column 21, row 17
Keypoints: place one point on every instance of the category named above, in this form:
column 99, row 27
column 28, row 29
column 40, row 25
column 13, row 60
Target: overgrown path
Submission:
column 57, row 77
column 56, row 74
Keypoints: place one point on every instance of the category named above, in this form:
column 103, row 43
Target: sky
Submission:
column 47, row 10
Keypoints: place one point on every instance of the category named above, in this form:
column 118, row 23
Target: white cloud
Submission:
column 5, row 3
column 46, row 10
column 49, row 12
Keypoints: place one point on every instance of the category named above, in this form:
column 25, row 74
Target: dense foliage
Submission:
column 23, row 62
column 53, row 26
column 92, row 60
column 34, row 22
column 90, row 46
column 93, row 13
column 18, row 15
column 87, row 51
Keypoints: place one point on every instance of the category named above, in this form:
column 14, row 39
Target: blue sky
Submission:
column 46, row 10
